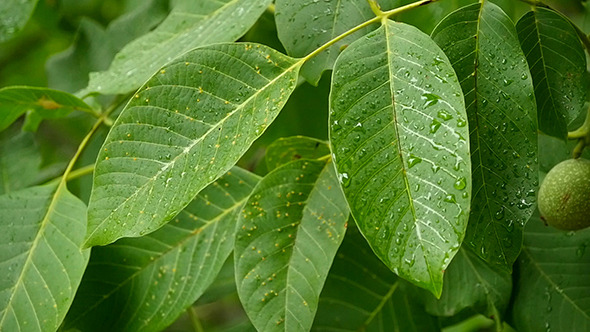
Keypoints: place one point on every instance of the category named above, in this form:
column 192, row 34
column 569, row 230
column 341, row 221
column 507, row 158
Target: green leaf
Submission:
column 45, row 103
column 361, row 294
column 552, row 283
column 400, row 140
column 191, row 24
column 481, row 42
column 41, row 261
column 95, row 47
column 20, row 160
column 14, row 14
column 426, row 18
column 186, row 127
column 471, row 283
column 144, row 284
column 558, row 66
column 292, row 226
column 287, row 149
column 303, row 26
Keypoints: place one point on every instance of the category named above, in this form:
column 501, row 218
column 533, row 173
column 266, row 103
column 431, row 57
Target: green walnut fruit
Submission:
column 564, row 197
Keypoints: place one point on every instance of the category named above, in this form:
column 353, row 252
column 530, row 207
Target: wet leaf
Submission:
column 41, row 262
column 471, row 283
column 401, row 144
column 558, row 67
column 361, row 294
column 191, row 24
column 287, row 149
column 291, row 228
column 552, row 282
column 481, row 42
column 144, row 284
column 44, row 103
column 182, row 130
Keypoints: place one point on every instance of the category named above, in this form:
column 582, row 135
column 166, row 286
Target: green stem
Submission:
column 582, row 134
column 80, row 172
column 380, row 17
column 197, row 327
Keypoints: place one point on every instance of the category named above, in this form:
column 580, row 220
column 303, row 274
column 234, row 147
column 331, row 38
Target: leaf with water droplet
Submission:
column 166, row 271
column 502, row 122
column 209, row 109
column 299, row 223
column 394, row 185
column 558, row 68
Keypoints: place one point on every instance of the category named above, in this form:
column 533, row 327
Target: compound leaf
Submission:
column 41, row 261
column 287, row 149
column 144, row 284
column 291, row 228
column 186, row 127
column 558, row 66
column 191, row 24
column 361, row 294
column 552, row 284
column 481, row 42
column 399, row 136
column 44, row 103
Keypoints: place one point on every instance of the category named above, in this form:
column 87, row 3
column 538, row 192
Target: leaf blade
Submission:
column 558, row 68
column 501, row 112
column 144, row 284
column 43, row 102
column 177, row 128
column 384, row 162
column 43, row 260
column 291, row 228
column 14, row 16
column 287, row 149
column 190, row 25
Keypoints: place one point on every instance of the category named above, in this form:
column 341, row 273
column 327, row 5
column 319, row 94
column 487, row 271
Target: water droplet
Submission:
column 499, row 215
column 450, row 198
column 413, row 160
column 444, row 115
column 336, row 126
column 431, row 99
column 460, row 184
column 434, row 126
column 461, row 122
column 344, row 179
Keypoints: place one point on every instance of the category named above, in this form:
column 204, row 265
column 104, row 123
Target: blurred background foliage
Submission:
column 64, row 40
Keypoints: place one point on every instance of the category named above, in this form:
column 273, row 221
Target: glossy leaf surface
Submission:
column 191, row 24
column 471, row 283
column 303, row 26
column 361, row 294
column 291, row 228
column 40, row 260
column 481, row 42
column 14, row 14
column 558, row 67
column 287, row 149
column 399, row 136
column 186, row 127
column 144, row 284
column 552, row 285
column 45, row 103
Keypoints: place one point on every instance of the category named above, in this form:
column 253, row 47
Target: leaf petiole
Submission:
column 582, row 134
column 380, row 17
